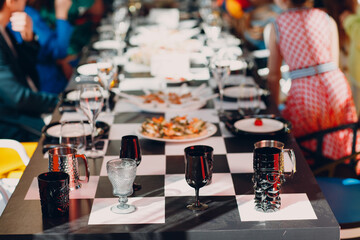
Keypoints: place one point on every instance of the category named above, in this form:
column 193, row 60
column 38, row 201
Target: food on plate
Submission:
column 178, row 127
column 170, row 97
column 258, row 122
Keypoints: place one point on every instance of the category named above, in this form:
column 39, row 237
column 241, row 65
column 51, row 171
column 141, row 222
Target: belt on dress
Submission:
column 313, row 70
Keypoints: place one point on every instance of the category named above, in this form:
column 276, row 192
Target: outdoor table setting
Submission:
column 181, row 152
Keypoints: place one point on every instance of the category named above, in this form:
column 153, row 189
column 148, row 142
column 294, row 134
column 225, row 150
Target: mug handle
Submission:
column 87, row 172
column 293, row 161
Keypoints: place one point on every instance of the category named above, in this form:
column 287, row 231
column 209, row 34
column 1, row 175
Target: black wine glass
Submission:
column 130, row 148
column 197, row 173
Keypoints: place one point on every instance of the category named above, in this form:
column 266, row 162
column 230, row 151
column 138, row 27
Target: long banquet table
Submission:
column 161, row 203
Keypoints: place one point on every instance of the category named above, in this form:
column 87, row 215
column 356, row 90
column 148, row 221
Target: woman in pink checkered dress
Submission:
column 320, row 97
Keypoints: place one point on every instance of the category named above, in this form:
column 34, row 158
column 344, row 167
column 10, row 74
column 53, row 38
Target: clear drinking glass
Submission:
column 249, row 99
column 212, row 26
column 122, row 173
column 197, row 174
column 91, row 102
column 72, row 134
column 220, row 69
column 106, row 72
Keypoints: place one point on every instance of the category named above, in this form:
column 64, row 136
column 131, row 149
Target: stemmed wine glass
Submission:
column 91, row 102
column 249, row 99
column 106, row 72
column 197, row 174
column 122, row 173
column 130, row 148
column 220, row 69
column 72, row 133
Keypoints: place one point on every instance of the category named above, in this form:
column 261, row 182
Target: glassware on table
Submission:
column 73, row 134
column 65, row 159
column 269, row 173
column 212, row 26
column 91, row 102
column 249, row 99
column 220, row 69
column 121, row 28
column 54, row 193
column 122, row 173
column 130, row 148
column 197, row 174
column 107, row 73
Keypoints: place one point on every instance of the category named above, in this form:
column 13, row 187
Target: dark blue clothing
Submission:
column 53, row 46
column 20, row 107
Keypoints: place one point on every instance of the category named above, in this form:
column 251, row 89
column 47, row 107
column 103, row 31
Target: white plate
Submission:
column 89, row 69
column 269, row 125
column 74, row 95
column 234, row 92
column 190, row 106
column 108, row 44
column 55, row 130
column 211, row 130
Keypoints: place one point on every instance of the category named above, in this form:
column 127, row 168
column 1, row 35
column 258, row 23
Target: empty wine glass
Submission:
column 220, row 69
column 130, row 148
column 212, row 26
column 249, row 99
column 72, row 133
column 122, row 173
column 106, row 72
column 91, row 102
column 197, row 174
column 121, row 28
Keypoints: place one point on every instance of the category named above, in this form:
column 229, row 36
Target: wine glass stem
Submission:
column 93, row 135
column 197, row 201
column 122, row 201
column 108, row 102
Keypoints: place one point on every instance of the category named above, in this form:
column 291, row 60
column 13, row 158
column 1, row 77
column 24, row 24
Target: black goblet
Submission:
column 130, row 148
column 197, row 173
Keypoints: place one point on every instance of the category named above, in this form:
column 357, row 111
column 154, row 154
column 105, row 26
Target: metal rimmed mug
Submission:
column 269, row 173
column 64, row 159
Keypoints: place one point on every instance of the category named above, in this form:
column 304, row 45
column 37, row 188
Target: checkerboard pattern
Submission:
column 164, row 192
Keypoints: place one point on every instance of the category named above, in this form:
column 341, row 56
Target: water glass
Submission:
column 73, row 134
column 91, row 102
column 249, row 99
column 107, row 74
column 54, row 193
column 269, row 174
column 122, row 173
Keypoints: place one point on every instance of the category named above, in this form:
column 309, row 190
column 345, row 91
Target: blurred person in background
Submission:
column 320, row 97
column 21, row 104
column 249, row 18
column 54, row 42
column 84, row 16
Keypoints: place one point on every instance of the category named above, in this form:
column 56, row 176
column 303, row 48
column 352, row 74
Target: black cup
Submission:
column 206, row 152
column 54, row 194
column 130, row 148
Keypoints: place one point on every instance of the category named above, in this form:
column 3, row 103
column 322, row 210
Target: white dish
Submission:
column 74, row 95
column 160, row 108
column 269, row 125
column 234, row 92
column 108, row 44
column 55, row 131
column 89, row 69
column 211, row 130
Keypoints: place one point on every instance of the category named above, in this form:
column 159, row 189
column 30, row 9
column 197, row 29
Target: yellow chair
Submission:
column 14, row 156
